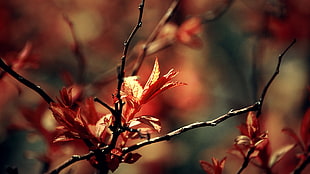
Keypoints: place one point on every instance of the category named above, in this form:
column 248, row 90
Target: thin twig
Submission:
column 121, row 75
column 153, row 36
column 113, row 112
column 73, row 159
column 26, row 82
column 302, row 166
column 79, row 54
column 192, row 126
column 276, row 72
column 246, row 160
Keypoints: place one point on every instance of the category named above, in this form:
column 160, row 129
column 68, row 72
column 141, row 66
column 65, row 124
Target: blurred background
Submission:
column 79, row 43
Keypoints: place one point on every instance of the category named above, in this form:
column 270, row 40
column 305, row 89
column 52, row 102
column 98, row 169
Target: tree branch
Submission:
column 113, row 112
column 121, row 74
column 302, row 166
column 195, row 125
column 254, row 107
column 276, row 72
column 26, row 82
column 246, row 160
column 153, row 35
column 73, row 159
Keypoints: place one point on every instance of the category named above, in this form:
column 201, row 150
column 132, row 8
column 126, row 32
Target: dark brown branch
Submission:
column 246, row 160
column 113, row 112
column 276, row 72
column 121, row 69
column 153, row 36
column 195, row 125
column 121, row 75
column 79, row 54
column 26, row 82
column 73, row 159
column 302, row 166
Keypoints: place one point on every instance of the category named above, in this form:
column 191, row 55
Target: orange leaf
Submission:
column 102, row 128
column 207, row 167
column 132, row 87
column 159, row 86
column 145, row 124
column 187, row 33
column 215, row 168
column 66, row 96
column 252, row 125
column 154, row 75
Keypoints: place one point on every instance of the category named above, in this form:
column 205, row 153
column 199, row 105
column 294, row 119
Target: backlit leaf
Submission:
column 145, row 124
column 292, row 134
column 278, row 155
column 154, row 75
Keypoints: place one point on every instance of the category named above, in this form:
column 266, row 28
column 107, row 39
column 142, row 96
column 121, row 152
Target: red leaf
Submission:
column 154, row 75
column 243, row 129
column 132, row 87
column 113, row 162
column 305, row 128
column 252, row 125
column 136, row 96
column 66, row 96
column 215, row 168
column 243, row 141
column 131, row 158
column 62, row 138
column 88, row 109
column 159, row 86
column 292, row 134
column 207, row 167
column 187, row 33
column 278, row 155
column 23, row 55
column 102, row 131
